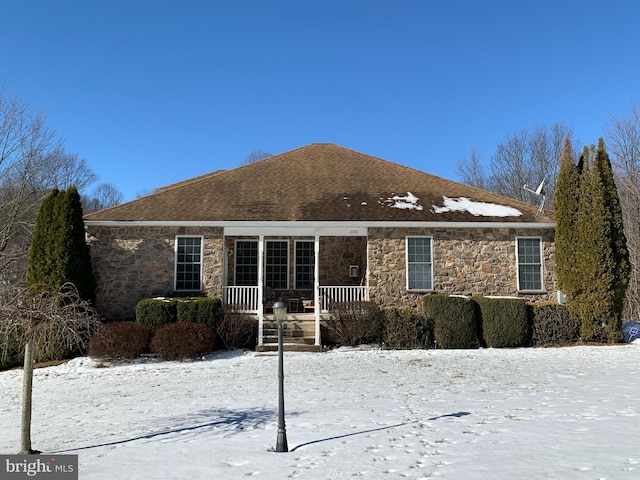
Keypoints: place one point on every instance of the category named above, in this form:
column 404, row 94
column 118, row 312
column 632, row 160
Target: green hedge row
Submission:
column 155, row 312
column 461, row 322
column 453, row 322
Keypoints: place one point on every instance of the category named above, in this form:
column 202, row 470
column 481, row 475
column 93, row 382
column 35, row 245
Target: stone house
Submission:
column 316, row 225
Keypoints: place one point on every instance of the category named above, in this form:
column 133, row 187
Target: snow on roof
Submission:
column 407, row 202
column 478, row 209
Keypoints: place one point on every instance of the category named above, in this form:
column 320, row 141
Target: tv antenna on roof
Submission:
column 539, row 192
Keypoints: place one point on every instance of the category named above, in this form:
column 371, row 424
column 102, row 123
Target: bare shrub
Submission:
column 554, row 324
column 120, row 340
column 182, row 340
column 406, row 328
column 354, row 323
column 237, row 330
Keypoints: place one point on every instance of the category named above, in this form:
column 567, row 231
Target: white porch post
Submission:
column 260, row 290
column 316, row 286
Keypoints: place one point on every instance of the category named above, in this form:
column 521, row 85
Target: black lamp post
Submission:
column 280, row 312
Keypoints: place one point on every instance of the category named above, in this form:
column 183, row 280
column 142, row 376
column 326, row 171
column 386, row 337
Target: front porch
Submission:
column 308, row 267
column 301, row 327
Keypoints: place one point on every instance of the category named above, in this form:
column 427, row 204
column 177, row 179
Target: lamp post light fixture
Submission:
column 280, row 312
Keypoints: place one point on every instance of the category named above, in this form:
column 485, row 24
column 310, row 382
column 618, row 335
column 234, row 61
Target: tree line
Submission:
column 530, row 156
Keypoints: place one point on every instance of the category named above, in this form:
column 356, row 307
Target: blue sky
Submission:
column 152, row 92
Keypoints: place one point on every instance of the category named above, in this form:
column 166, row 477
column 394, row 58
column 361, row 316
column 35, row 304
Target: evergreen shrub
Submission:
column 120, row 340
column 353, row 323
column 205, row 310
column 456, row 324
column 505, row 322
column 182, row 340
column 154, row 312
column 553, row 324
column 406, row 328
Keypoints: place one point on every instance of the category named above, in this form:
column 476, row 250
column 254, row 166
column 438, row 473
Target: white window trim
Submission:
column 529, row 237
column 266, row 255
column 175, row 263
column 295, row 264
column 406, row 267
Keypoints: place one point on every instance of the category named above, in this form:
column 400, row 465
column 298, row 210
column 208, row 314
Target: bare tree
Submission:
column 255, row 156
column 623, row 140
column 38, row 322
column 471, row 171
column 32, row 161
column 526, row 157
column 105, row 195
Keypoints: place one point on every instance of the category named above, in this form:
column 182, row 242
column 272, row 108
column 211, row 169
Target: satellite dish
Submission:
column 538, row 192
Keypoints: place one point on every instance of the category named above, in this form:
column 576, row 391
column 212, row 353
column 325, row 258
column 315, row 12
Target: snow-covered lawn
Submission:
column 557, row 413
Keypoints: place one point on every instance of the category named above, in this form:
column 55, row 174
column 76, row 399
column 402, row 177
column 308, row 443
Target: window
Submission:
column 419, row 263
column 277, row 265
column 529, row 263
column 305, row 265
column 188, row 263
column 246, row 263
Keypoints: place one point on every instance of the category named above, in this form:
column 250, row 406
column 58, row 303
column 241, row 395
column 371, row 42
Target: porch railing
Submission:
column 329, row 295
column 241, row 299
column 245, row 299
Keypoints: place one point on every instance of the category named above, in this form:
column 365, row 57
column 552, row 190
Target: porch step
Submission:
column 297, row 335
column 289, row 347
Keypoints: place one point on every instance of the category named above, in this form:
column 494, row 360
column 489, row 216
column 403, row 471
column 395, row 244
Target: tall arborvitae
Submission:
column 59, row 253
column 566, row 211
column 79, row 269
column 618, row 239
column 41, row 261
column 594, row 302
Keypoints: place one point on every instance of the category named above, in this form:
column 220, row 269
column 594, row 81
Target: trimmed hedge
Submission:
column 155, row 312
column 120, row 340
column 553, row 324
column 455, row 321
column 405, row 328
column 204, row 310
column 354, row 323
column 505, row 322
column 182, row 340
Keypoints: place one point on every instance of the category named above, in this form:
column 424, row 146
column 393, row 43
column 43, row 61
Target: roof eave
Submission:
column 306, row 224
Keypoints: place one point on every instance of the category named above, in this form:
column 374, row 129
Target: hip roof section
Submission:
column 322, row 182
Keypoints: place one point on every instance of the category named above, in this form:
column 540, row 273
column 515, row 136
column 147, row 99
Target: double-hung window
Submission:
column 529, row 255
column 419, row 263
column 305, row 265
column 246, row 272
column 277, row 265
column 188, row 275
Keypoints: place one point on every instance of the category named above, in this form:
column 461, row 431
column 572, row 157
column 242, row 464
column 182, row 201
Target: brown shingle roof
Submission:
column 318, row 182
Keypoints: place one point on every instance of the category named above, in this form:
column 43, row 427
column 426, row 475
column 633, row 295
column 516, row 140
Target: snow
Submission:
column 403, row 202
column 563, row 413
column 478, row 209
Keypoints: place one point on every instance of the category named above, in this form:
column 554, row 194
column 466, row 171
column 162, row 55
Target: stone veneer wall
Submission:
column 465, row 261
column 337, row 254
column 132, row 263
